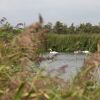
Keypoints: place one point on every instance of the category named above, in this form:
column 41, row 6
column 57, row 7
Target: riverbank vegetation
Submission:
column 64, row 38
column 62, row 28
column 21, row 79
column 71, row 43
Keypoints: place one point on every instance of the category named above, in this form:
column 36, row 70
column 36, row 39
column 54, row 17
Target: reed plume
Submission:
column 30, row 40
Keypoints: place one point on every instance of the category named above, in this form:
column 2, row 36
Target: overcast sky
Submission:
column 67, row 11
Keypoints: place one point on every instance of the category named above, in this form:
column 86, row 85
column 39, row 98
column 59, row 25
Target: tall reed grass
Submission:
column 70, row 43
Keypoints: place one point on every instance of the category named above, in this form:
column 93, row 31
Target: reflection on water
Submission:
column 68, row 64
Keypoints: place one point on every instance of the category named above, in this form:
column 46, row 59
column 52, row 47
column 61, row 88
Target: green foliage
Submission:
column 61, row 28
column 58, row 28
column 18, row 94
column 70, row 43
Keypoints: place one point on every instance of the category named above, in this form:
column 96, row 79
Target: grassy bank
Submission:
column 21, row 79
column 25, row 85
column 70, row 43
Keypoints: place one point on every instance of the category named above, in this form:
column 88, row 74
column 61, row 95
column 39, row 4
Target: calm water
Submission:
column 63, row 65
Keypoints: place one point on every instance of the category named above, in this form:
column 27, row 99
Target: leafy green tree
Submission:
column 88, row 28
column 58, row 27
column 72, row 29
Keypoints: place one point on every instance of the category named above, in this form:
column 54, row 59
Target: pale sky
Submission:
column 67, row 11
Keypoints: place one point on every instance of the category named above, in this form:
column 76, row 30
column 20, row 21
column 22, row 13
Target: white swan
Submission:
column 76, row 52
column 53, row 52
column 86, row 52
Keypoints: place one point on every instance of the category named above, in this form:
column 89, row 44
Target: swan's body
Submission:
column 53, row 52
column 86, row 52
column 76, row 52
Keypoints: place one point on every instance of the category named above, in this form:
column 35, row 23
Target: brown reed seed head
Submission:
column 31, row 39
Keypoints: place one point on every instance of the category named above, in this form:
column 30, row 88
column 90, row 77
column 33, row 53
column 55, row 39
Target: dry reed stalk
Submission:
column 98, row 47
column 91, row 65
column 31, row 40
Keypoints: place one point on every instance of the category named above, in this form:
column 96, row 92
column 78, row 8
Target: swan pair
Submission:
column 85, row 52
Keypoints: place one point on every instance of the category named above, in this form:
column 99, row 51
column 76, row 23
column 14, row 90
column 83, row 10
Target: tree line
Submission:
column 61, row 28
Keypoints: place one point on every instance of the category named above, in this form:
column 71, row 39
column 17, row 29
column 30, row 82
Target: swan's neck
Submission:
column 50, row 50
